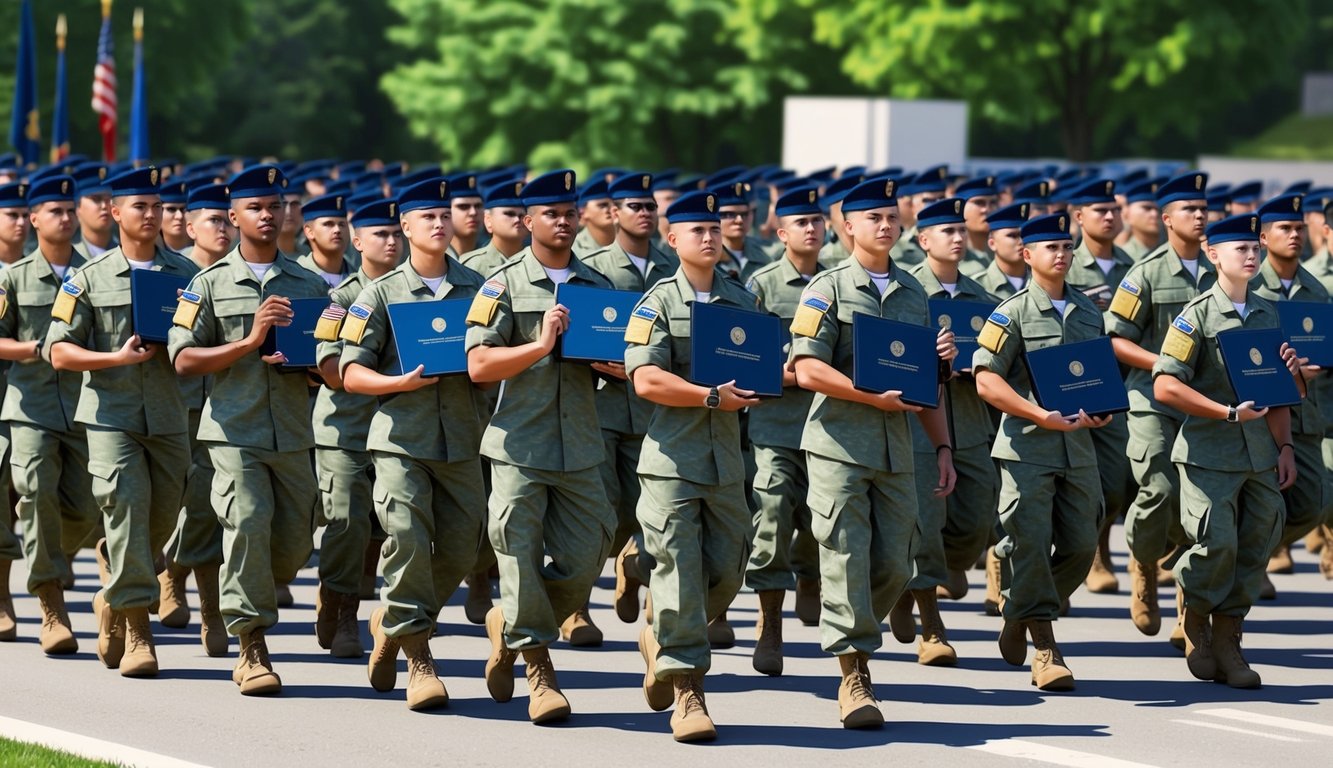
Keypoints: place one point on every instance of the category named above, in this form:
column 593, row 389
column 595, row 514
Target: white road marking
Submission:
column 1234, row 729
column 1031, row 750
column 1271, row 721
column 87, row 746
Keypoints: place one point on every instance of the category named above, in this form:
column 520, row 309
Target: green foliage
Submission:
column 21, row 753
column 1295, row 138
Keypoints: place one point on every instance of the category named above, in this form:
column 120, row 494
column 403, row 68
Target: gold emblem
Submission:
column 1198, row 182
column 1254, row 223
column 23, row 190
column 946, row 322
column 647, row 181
column 101, row 174
column 226, row 191
column 1076, row 368
column 518, row 188
column 1061, row 222
column 958, row 206
column 609, row 314
column 33, row 130
column 152, row 176
column 739, row 189
column 569, row 180
column 1256, row 356
column 338, row 202
column 977, row 322
column 1307, row 324
column 64, row 187
column 1023, row 210
column 391, row 207
column 272, row 175
column 888, row 188
column 738, row 336
column 941, row 171
column 897, row 348
column 438, row 325
column 1044, row 189
column 710, row 202
column 1110, row 185
column 990, row 181
column 444, row 189
column 471, row 182
column 812, row 195
column 1295, row 203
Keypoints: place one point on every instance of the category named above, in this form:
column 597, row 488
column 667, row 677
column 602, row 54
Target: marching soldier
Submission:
column 14, row 228
column 1007, row 273
column 465, row 211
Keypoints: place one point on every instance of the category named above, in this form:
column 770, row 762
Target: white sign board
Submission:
column 819, row 131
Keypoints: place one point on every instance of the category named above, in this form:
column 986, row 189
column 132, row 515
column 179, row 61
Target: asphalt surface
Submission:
column 1135, row 702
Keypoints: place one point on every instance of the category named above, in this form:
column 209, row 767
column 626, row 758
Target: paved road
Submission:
column 1135, row 702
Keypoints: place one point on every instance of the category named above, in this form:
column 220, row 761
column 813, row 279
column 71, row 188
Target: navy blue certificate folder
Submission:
column 153, row 303
column 430, row 334
column 297, row 341
column 965, row 319
column 597, row 321
column 1309, row 329
column 1078, row 375
column 890, row 355
column 1255, row 367
column 728, row 344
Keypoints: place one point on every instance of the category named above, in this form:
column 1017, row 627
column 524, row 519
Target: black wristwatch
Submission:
column 1232, row 416
column 713, row 399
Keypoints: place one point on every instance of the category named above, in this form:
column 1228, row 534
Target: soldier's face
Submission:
column 211, row 231
column 552, row 226
column 1284, row 239
column 944, row 243
column 875, row 230
column 665, row 197
column 257, row 218
column 465, row 213
column 173, row 219
column 139, row 217
column 14, row 226
column 1186, row 218
column 506, row 223
column 1142, row 217
column 429, row 230
column 328, row 233
column 1238, row 261
column 54, row 221
column 803, row 235
column 1314, row 228
column 599, row 214
column 1100, row 221
column 291, row 214
column 1049, row 259
column 637, row 216
column 95, row 213
column 736, row 220
column 381, row 246
column 975, row 212
column 698, row 243
column 1007, row 245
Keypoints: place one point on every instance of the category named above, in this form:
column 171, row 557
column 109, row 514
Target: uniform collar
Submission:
column 535, row 272
column 1268, row 277
column 417, row 284
column 790, row 274
column 721, row 291
column 123, row 261
column 1043, row 300
column 1222, row 302
column 76, row 260
column 1084, row 258
column 241, row 272
column 861, row 278
column 1178, row 264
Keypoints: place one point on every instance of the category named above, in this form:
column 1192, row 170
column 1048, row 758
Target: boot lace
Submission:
column 256, row 653
column 541, row 673
column 691, row 698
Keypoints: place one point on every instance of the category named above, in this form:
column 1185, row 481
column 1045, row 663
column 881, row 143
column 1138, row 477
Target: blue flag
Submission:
column 25, row 132
column 60, row 113
column 139, row 108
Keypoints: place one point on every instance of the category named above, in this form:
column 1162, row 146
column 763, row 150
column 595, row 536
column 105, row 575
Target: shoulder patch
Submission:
column 1126, row 301
column 4, row 301
column 492, row 289
column 1000, row 319
column 485, row 303
column 995, row 333
column 66, row 300
column 354, row 326
column 330, row 322
column 1181, row 323
column 810, row 313
column 187, row 309
column 640, row 327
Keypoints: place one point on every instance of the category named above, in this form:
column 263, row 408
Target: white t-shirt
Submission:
column 1016, row 282
column 1240, row 308
column 1286, row 284
column 332, row 278
column 641, row 262
column 259, row 269
column 1193, row 266
column 558, row 276
column 1104, row 265
column 60, row 270
column 880, row 279
column 1060, row 305
column 703, row 297
column 952, row 288
column 738, row 257
column 139, row 264
column 433, row 283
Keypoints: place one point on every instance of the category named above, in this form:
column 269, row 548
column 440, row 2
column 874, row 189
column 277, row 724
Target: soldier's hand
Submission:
column 1058, row 422
column 945, row 346
column 277, row 358
column 948, row 475
column 274, row 311
column 893, row 401
column 134, row 351
column 734, row 398
column 414, row 380
column 1286, row 466
column 614, row 370
column 1291, row 360
column 1247, row 412
column 554, row 323
column 1091, row 422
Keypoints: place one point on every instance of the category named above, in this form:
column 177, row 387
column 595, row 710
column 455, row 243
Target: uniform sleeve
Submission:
column 998, row 343
column 656, row 350
column 370, row 349
column 326, row 349
column 814, row 329
column 754, row 286
column 9, row 312
column 202, row 333
column 1128, row 315
column 490, row 327
column 80, row 327
column 1179, row 356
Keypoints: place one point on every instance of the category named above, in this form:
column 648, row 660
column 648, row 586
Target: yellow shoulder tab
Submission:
column 65, row 300
column 810, row 313
column 187, row 309
column 354, row 327
column 330, row 323
column 640, row 327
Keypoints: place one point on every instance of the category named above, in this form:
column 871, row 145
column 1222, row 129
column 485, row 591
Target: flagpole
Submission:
column 59, row 118
column 139, row 109
column 106, row 121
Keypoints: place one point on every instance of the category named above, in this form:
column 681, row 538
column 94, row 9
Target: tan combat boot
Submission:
column 656, row 692
column 933, row 650
column 1013, row 642
column 254, row 670
column 1314, row 540
column 382, row 669
column 1144, row 610
column 807, row 601
column 110, row 632
column 1280, row 561
column 9, row 628
column 545, row 701
column 720, row 633
column 103, row 556
column 579, row 630
column 901, row 621
column 370, row 563
column 1101, row 578
column 1165, row 576
column 347, row 632
column 424, row 687
column 1177, row 638
column 57, row 638
column 1049, row 672
column 140, row 659
column 1199, row 645
column 690, row 720
column 1231, row 666
column 1326, row 554
column 993, row 595
column 326, row 615
column 768, row 633
column 173, row 608
column 955, row 586
column 627, row 583
column 857, row 706
column 478, row 600
column 212, row 629
column 500, row 664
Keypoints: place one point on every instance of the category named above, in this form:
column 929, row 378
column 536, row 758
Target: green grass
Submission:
column 1295, row 138
column 18, row 753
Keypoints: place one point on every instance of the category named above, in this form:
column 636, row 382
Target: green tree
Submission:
column 1096, row 69
column 589, row 82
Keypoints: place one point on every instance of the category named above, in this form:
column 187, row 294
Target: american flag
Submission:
column 104, row 89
